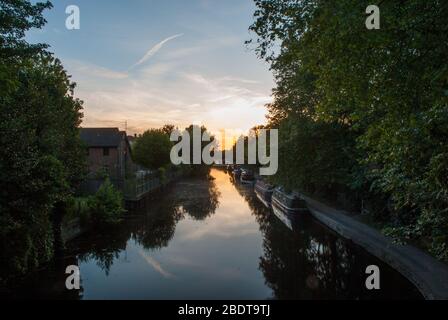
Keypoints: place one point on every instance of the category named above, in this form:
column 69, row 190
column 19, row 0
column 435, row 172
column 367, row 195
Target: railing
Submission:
column 136, row 189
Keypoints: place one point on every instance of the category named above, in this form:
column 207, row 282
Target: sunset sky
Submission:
column 152, row 62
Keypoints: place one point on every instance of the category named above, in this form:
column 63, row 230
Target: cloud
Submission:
column 241, row 80
column 169, row 92
column 82, row 69
column 163, row 94
column 158, row 69
column 155, row 49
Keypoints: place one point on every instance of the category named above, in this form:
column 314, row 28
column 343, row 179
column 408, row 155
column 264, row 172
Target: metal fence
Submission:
column 136, row 189
column 133, row 189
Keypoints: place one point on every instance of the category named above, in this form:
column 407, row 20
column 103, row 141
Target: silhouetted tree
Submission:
column 41, row 156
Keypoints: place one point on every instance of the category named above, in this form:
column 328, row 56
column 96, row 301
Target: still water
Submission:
column 213, row 239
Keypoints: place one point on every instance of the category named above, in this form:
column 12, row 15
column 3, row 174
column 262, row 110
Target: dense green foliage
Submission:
column 41, row 158
column 17, row 17
column 78, row 208
column 152, row 149
column 198, row 169
column 364, row 112
column 106, row 206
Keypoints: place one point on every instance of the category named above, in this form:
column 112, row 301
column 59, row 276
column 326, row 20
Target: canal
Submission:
column 213, row 239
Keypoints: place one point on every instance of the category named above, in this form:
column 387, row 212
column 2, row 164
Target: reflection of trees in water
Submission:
column 305, row 265
column 311, row 263
column 153, row 224
column 103, row 246
column 283, row 264
column 156, row 231
column 333, row 262
column 202, row 205
column 48, row 284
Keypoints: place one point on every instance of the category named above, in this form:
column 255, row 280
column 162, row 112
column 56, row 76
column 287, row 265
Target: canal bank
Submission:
column 426, row 273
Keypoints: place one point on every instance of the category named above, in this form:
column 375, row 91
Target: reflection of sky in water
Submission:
column 219, row 242
column 215, row 240
column 214, row 258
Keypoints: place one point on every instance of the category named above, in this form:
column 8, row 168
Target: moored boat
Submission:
column 264, row 192
column 288, row 207
column 247, row 177
column 237, row 172
column 289, row 202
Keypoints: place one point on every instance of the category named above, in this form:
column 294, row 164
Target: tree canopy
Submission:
column 363, row 110
column 152, row 149
column 17, row 17
column 41, row 156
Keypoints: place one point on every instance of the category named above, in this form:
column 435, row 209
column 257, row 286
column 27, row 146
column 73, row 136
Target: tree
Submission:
column 106, row 206
column 17, row 17
column 168, row 129
column 384, row 91
column 41, row 157
column 152, row 149
column 198, row 169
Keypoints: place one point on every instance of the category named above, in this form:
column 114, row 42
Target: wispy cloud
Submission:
column 155, row 49
column 79, row 68
column 165, row 93
column 241, row 80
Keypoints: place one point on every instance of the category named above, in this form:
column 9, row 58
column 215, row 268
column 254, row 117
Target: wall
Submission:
column 96, row 161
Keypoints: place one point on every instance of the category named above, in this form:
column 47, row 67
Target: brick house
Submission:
column 108, row 151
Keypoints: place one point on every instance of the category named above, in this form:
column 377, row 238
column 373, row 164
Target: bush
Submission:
column 161, row 174
column 106, row 206
column 78, row 207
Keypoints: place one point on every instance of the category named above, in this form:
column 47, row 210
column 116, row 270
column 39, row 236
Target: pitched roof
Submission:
column 101, row 137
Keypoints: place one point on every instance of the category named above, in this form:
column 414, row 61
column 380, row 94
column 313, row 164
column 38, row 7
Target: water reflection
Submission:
column 213, row 239
column 153, row 225
column 200, row 201
column 311, row 262
column 323, row 266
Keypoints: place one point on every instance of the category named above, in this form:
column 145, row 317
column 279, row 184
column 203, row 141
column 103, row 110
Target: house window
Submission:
column 105, row 152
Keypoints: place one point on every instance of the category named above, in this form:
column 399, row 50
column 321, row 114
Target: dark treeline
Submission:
column 41, row 155
column 152, row 150
column 363, row 113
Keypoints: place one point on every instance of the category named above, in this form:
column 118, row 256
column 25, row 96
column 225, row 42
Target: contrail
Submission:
column 155, row 49
column 153, row 263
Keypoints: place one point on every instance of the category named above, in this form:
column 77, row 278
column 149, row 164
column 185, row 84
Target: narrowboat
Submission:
column 237, row 172
column 247, row 177
column 288, row 207
column 264, row 192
